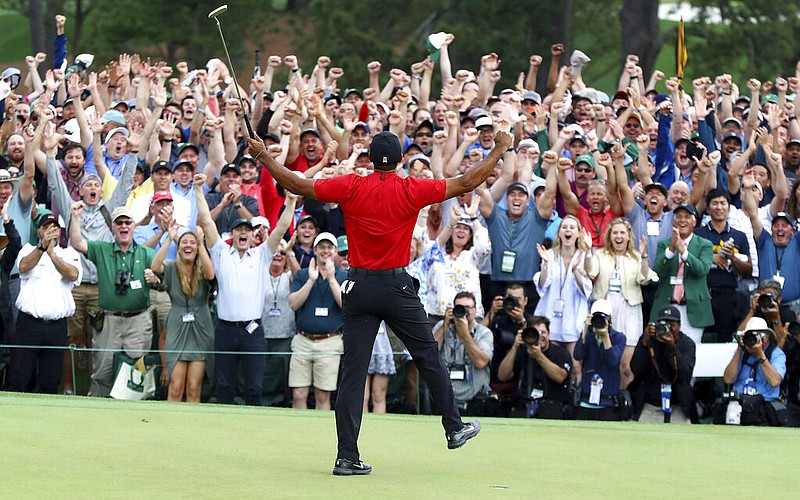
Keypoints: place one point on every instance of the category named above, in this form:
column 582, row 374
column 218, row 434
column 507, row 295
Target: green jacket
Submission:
column 695, row 272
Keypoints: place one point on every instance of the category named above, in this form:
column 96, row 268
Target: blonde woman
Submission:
column 190, row 331
column 562, row 283
column 619, row 272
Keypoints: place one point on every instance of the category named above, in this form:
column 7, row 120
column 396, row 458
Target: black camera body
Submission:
column 510, row 303
column 122, row 282
column 750, row 339
column 662, row 329
column 459, row 311
column 599, row 321
column 530, row 336
column 766, row 300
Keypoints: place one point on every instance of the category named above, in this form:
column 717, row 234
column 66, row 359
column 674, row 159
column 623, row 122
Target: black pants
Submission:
column 25, row 362
column 724, row 306
column 367, row 298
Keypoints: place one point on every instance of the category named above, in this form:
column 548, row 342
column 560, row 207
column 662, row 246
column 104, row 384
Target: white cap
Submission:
column 484, row 121
column 260, row 221
column 601, row 306
column 72, row 130
column 325, row 237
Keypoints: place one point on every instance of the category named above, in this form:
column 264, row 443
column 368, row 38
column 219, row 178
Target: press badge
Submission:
column 675, row 280
column 653, row 228
column 458, row 373
column 597, row 388
column 320, row 311
column 136, row 284
column 507, row 263
column 537, row 393
column 666, row 397
column 780, row 279
column 274, row 311
column 251, row 327
column 615, row 285
column 187, row 317
column 558, row 308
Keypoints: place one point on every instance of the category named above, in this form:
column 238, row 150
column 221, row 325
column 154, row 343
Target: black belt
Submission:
column 13, row 276
column 126, row 314
column 377, row 272
column 319, row 336
column 238, row 324
column 40, row 320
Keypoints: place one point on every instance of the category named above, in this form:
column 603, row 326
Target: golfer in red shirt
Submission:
column 380, row 211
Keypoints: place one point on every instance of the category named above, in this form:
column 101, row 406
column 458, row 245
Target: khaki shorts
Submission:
column 315, row 362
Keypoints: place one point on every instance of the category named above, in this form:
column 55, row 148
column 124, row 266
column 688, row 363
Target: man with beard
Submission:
column 15, row 152
column 778, row 253
column 584, row 174
column 124, row 294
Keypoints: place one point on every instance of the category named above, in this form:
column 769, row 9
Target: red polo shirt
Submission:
column 596, row 225
column 380, row 211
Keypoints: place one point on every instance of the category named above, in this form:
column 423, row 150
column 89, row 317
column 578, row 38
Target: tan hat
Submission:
column 121, row 212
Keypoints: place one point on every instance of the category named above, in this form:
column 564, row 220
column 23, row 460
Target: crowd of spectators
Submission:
column 624, row 228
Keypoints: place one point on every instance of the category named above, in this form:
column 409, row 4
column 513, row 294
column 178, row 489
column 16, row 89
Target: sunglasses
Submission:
column 342, row 254
column 124, row 222
column 424, row 134
column 587, row 170
column 632, row 125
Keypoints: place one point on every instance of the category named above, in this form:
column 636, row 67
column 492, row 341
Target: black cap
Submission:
column 310, row 131
column 385, row 150
column 47, row 219
column 242, row 222
column 518, row 185
column 687, row 207
column 782, row 215
column 305, row 218
column 161, row 164
column 656, row 185
column 668, row 313
column 230, row 166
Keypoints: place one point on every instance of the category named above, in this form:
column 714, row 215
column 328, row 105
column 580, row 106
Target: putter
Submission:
column 214, row 14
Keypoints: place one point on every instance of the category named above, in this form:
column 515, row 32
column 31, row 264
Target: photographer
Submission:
column 542, row 370
column 662, row 366
column 466, row 349
column 755, row 371
column 599, row 351
column 505, row 317
column 768, row 304
column 791, row 381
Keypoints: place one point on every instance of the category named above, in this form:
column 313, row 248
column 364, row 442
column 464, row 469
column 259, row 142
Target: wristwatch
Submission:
column 762, row 361
column 237, row 206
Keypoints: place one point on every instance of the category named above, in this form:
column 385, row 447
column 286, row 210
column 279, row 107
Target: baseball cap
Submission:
column 230, row 166
column 536, row 184
column 518, row 185
column 669, row 313
column 242, row 222
column 585, row 158
column 362, row 125
column 112, row 115
column 347, row 92
column 526, row 143
column 310, row 131
column 118, row 130
column 685, row 206
column 48, row 218
column 260, row 220
column 161, row 196
column 326, row 236
column 484, row 121
column 602, row 306
column 732, row 134
column 341, row 243
column 530, row 95
column 91, row 177
column 782, row 215
column 656, row 185
column 178, row 163
column 793, row 141
column 72, row 130
column 165, row 165
column 187, row 145
column 385, row 150
column 421, row 157
column 121, row 212
column 305, row 218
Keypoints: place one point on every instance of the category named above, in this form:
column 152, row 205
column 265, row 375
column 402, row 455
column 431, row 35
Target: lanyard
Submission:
column 594, row 224
column 275, row 284
column 779, row 261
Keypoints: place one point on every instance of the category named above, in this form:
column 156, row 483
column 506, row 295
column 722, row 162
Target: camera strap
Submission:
column 658, row 370
column 106, row 215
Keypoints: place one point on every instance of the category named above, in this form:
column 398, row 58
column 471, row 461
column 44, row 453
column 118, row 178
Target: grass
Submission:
column 56, row 446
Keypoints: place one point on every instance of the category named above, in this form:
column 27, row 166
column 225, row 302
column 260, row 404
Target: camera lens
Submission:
column 765, row 301
column 530, row 336
column 749, row 339
column 459, row 311
column 662, row 329
column 510, row 303
column 599, row 321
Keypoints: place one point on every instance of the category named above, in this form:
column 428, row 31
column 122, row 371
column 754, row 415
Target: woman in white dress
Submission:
column 562, row 283
column 619, row 272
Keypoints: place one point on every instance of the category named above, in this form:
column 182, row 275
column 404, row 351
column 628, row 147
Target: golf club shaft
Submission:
column 235, row 82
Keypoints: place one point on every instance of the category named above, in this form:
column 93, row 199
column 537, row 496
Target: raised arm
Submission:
column 203, row 213
column 477, row 175
column 571, row 202
column 548, row 200
column 75, row 236
column 283, row 176
column 274, row 238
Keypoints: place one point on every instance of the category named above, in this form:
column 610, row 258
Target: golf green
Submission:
column 58, row 446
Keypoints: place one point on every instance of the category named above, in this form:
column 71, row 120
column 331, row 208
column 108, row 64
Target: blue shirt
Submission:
column 114, row 166
column 597, row 360
column 640, row 218
column 785, row 261
column 521, row 237
column 320, row 313
column 143, row 233
column 189, row 195
column 751, row 374
column 723, row 278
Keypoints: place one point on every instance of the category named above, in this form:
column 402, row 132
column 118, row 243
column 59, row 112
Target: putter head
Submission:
column 577, row 60
column 219, row 10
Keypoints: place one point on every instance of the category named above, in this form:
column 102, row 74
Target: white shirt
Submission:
column 43, row 292
column 243, row 282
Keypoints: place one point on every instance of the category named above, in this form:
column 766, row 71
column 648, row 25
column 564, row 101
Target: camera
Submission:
column 459, row 311
column 662, row 329
column 505, row 338
column 750, row 339
column 766, row 300
column 530, row 336
column 599, row 321
column 510, row 303
column 122, row 282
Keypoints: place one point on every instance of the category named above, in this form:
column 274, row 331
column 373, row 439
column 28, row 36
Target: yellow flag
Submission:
column 681, row 55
